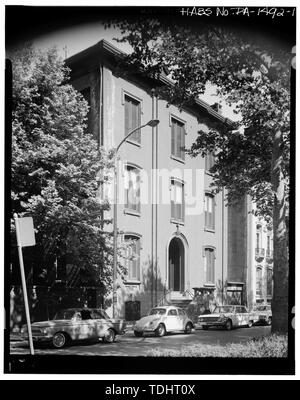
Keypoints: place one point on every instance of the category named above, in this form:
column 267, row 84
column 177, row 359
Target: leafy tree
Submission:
column 253, row 75
column 57, row 169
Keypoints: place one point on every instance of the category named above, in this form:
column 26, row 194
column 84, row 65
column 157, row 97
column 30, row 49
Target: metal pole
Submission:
column 115, row 234
column 24, row 289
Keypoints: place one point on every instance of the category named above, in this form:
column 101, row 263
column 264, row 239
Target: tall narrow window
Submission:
column 209, row 265
column 268, row 246
column 209, row 161
column 269, row 282
column 177, row 200
column 259, row 282
column 209, row 211
column 132, row 189
column 133, row 256
column 132, row 118
column 177, row 139
column 258, row 239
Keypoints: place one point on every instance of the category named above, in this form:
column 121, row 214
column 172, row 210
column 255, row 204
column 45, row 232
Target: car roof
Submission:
column 168, row 307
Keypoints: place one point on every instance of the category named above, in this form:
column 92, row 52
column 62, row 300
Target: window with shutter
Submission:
column 132, row 118
column 177, row 139
column 177, row 200
column 133, row 256
column 269, row 282
column 132, row 189
column 209, row 210
column 209, row 265
column 259, row 282
column 209, row 161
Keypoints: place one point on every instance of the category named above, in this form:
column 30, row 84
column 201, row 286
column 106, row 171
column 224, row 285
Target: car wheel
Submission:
column 160, row 330
column 188, row 328
column 228, row 325
column 250, row 324
column 59, row 340
column 109, row 336
column 138, row 334
column 269, row 322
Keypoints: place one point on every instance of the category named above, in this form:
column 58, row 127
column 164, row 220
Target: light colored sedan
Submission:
column 162, row 320
column 75, row 324
column 226, row 317
column 263, row 314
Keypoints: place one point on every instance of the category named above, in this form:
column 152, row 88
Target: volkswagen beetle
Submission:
column 162, row 320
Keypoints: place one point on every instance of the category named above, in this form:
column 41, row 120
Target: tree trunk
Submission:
column 281, row 268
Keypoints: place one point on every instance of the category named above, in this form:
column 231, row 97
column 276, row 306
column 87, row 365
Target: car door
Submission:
column 238, row 317
column 87, row 326
column 100, row 323
column 182, row 317
column 242, row 315
column 173, row 322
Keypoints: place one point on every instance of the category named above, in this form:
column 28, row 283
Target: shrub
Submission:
column 264, row 347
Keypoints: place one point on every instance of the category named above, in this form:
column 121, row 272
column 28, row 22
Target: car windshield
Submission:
column 223, row 309
column 262, row 308
column 159, row 311
column 64, row 314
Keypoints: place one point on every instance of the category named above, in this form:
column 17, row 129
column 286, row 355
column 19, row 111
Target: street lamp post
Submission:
column 152, row 123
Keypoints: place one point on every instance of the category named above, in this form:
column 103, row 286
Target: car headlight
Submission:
column 44, row 331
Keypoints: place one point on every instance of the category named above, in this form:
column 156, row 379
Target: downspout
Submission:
column 100, row 140
column 223, row 246
column 152, row 202
column 156, row 200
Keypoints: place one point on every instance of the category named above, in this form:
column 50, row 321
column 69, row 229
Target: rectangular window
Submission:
column 268, row 244
column 209, row 161
column 177, row 200
column 133, row 257
column 209, row 266
column 259, row 282
column 132, row 189
column 177, row 139
column 132, row 118
column 269, row 282
column 209, row 211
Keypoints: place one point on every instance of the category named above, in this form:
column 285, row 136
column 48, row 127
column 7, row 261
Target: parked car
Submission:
column 263, row 314
column 76, row 324
column 162, row 320
column 226, row 317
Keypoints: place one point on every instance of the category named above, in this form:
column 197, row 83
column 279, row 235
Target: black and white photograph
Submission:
column 149, row 190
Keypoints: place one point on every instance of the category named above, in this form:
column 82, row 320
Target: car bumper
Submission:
column 144, row 329
column 38, row 339
column 199, row 325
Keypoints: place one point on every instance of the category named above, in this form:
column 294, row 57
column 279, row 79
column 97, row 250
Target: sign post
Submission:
column 25, row 237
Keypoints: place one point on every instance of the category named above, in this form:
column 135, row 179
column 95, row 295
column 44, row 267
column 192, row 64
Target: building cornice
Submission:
column 105, row 52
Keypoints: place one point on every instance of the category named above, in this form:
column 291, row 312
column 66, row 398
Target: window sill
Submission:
column 132, row 282
column 137, row 144
column 176, row 221
column 209, row 285
column 177, row 159
column 209, row 230
column 132, row 212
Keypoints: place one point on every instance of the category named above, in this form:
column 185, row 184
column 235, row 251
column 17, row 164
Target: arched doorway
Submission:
column 176, row 265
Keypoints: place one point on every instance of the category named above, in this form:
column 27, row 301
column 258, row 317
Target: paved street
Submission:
column 129, row 345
